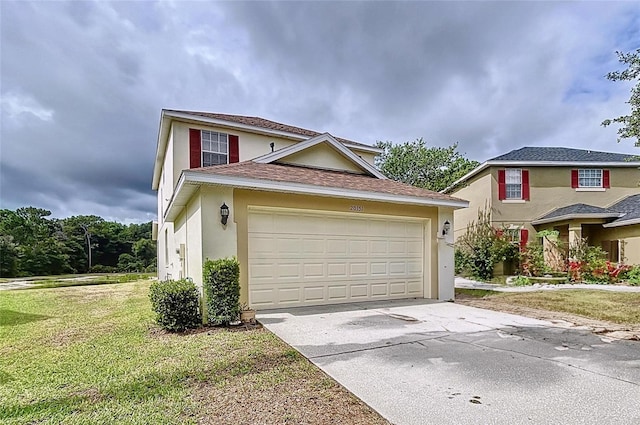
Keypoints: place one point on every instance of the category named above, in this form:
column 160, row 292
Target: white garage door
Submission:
column 298, row 257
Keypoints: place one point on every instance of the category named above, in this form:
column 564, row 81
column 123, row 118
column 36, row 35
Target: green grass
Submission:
column 91, row 354
column 80, row 279
column 617, row 307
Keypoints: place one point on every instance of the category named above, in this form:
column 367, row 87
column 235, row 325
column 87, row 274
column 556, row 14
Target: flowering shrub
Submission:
column 597, row 271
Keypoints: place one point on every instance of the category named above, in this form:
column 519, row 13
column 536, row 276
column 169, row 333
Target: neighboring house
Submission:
column 310, row 219
column 579, row 193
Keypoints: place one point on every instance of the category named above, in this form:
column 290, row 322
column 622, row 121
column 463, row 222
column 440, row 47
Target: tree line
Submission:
column 34, row 244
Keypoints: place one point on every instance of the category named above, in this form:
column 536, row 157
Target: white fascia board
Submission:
column 574, row 217
column 323, row 138
column 622, row 223
column 161, row 147
column 289, row 187
column 363, row 148
column 260, row 130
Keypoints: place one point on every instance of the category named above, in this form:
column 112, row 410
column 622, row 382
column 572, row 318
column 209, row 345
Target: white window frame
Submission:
column 589, row 175
column 512, row 174
column 209, row 146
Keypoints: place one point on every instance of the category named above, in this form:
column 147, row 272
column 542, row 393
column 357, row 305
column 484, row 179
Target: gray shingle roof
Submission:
column 562, row 155
column 629, row 206
column 577, row 209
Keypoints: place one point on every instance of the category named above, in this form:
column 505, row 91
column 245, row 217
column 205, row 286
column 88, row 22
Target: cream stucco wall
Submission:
column 218, row 241
column 446, row 269
column 478, row 193
column 628, row 235
column 550, row 188
column 321, row 156
column 244, row 198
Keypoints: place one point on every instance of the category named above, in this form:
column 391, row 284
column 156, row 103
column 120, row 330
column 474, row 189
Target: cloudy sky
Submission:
column 83, row 83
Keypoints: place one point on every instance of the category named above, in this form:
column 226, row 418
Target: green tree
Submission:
column 417, row 164
column 39, row 241
column 144, row 251
column 9, row 257
column 630, row 124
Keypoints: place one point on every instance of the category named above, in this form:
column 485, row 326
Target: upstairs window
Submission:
column 513, row 184
column 215, row 148
column 590, row 178
column 212, row 148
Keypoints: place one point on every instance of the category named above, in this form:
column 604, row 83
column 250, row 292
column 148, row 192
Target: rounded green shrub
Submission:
column 221, row 280
column 176, row 304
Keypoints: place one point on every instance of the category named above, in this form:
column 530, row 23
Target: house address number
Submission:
column 357, row 208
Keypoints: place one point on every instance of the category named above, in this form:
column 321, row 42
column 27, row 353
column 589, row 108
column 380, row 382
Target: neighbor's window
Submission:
column 215, row 148
column 589, row 178
column 512, row 235
column 513, row 180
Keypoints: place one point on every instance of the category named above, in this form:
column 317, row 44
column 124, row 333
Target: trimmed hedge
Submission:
column 221, row 280
column 176, row 304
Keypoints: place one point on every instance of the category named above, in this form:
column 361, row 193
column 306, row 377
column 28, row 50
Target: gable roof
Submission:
column 322, row 138
column 303, row 180
column 266, row 124
column 542, row 156
column 629, row 207
column 576, row 211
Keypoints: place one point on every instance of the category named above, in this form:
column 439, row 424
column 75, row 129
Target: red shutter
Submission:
column 524, row 238
column 605, row 179
column 574, row 178
column 234, row 151
column 502, row 185
column 525, row 185
column 195, row 148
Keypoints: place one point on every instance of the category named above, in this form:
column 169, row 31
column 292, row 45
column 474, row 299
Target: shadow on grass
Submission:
column 12, row 318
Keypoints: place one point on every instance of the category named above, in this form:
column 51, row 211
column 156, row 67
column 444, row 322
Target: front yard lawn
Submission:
column 617, row 307
column 92, row 355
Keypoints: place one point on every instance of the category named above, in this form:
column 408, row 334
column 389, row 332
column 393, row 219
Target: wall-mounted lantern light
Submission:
column 224, row 213
column 446, row 227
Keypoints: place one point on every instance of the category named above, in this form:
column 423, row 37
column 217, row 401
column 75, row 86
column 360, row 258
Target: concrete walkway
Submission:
column 462, row 282
column 418, row 362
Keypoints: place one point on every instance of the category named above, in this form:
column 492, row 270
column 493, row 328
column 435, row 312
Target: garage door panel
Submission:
column 359, row 290
column 337, row 292
column 314, row 294
column 378, row 269
column 313, row 270
column 335, row 270
column 313, row 246
column 358, row 269
column 398, row 288
column 358, row 247
column 397, row 247
column 302, row 258
column 290, row 270
column 379, row 289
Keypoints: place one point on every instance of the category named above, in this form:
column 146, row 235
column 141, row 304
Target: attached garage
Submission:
column 302, row 257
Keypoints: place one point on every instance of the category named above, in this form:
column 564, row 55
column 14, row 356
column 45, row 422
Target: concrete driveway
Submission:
column 421, row 362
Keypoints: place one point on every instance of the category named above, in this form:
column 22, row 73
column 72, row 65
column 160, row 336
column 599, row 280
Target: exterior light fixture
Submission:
column 446, row 227
column 224, row 213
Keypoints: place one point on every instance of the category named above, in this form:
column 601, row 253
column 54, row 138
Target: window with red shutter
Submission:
column 195, row 148
column 525, row 185
column 574, row 178
column 502, row 187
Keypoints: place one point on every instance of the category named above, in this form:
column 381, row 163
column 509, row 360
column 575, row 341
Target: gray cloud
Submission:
column 83, row 83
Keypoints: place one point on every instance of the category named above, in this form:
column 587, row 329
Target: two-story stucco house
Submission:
column 308, row 216
column 579, row 193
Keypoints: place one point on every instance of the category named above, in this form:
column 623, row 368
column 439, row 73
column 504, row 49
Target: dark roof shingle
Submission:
column 629, row 206
column 263, row 123
column 323, row 178
column 556, row 154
